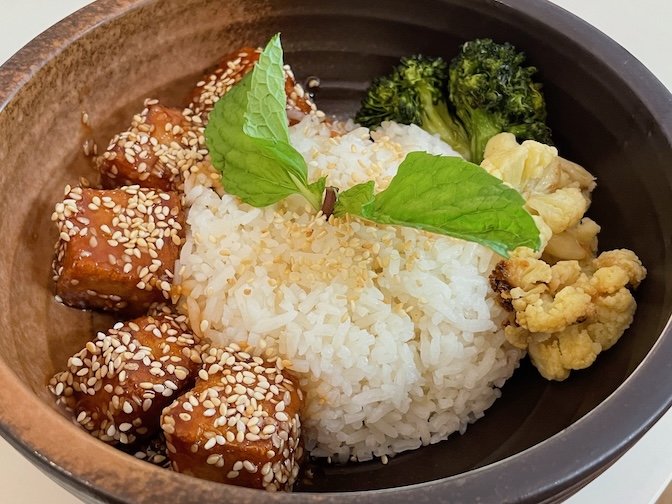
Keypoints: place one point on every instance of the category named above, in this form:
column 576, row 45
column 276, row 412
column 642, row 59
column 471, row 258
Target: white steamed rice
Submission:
column 394, row 332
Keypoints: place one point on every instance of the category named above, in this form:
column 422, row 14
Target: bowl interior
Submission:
column 597, row 118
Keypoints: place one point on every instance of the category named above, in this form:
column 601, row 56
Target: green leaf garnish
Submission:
column 248, row 138
column 355, row 200
column 447, row 195
column 266, row 115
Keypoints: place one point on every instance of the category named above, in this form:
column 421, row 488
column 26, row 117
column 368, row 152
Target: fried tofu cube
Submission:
column 150, row 153
column 231, row 69
column 119, row 383
column 240, row 424
column 117, row 248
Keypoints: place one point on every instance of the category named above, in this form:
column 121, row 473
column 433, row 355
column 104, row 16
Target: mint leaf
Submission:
column 248, row 138
column 451, row 196
column 355, row 199
column 265, row 114
column 315, row 191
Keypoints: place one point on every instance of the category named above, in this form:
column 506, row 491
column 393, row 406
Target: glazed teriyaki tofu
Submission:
column 117, row 248
column 148, row 153
column 240, row 423
column 231, row 69
column 119, row 383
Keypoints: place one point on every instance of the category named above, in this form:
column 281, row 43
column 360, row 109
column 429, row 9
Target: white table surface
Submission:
column 642, row 27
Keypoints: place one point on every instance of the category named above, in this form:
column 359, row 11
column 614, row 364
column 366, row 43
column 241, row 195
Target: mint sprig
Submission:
column 248, row 139
column 447, row 195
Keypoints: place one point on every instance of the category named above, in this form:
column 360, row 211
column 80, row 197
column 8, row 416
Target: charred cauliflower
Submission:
column 567, row 305
column 564, row 315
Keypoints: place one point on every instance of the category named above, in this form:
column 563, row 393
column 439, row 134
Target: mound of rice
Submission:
column 394, row 332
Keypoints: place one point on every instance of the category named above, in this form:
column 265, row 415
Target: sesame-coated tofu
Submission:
column 240, row 423
column 117, row 248
column 119, row 383
column 231, row 69
column 150, row 153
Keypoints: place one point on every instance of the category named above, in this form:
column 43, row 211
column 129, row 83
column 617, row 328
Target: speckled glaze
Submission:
column 541, row 441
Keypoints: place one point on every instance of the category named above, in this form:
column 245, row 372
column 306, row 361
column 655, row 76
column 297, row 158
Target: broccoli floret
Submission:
column 415, row 93
column 493, row 92
column 486, row 90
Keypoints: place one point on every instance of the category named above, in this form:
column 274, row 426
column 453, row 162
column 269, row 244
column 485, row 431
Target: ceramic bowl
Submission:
column 541, row 441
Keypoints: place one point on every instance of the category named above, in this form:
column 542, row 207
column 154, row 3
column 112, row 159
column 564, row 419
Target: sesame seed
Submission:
column 213, row 459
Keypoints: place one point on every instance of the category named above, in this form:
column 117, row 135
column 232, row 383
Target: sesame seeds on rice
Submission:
column 393, row 333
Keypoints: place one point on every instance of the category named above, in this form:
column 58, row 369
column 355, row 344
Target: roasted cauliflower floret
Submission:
column 626, row 260
column 578, row 242
column 561, row 209
column 533, row 167
column 556, row 191
column 566, row 314
column 555, row 356
column 549, row 313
